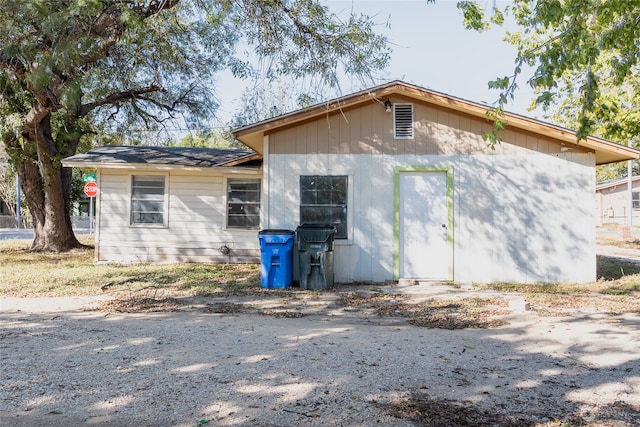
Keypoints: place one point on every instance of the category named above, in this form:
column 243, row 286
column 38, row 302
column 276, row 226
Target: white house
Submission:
column 417, row 193
column 407, row 178
column 612, row 201
column 171, row 204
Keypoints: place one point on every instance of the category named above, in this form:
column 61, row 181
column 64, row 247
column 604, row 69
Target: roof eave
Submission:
column 606, row 151
column 241, row 160
column 160, row 167
column 616, row 183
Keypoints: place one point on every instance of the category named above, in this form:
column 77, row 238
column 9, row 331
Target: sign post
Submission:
column 91, row 189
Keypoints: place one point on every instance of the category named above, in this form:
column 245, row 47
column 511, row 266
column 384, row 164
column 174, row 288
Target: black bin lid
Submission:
column 316, row 226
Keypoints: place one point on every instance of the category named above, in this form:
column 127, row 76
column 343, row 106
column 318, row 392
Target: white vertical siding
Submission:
column 517, row 217
column 364, row 195
column 524, row 219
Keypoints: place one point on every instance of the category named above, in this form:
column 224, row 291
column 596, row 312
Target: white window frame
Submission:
column 408, row 130
column 165, row 200
column 635, row 199
column 227, row 201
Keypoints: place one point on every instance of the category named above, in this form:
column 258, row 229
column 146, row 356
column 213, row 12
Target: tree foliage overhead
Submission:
column 70, row 69
column 217, row 138
column 582, row 50
column 263, row 102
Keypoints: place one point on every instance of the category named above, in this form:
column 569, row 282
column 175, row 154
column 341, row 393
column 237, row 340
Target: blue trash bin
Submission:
column 276, row 258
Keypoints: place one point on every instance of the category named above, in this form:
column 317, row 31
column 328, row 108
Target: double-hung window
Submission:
column 635, row 199
column 323, row 200
column 147, row 200
column 243, row 203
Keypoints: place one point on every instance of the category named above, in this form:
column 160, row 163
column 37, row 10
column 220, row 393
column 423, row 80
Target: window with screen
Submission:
column 243, row 203
column 147, row 200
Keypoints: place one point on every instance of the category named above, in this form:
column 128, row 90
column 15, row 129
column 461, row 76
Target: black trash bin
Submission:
column 315, row 255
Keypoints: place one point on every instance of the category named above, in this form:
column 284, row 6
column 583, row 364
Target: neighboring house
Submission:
column 612, row 201
column 402, row 172
column 170, row 204
column 416, row 192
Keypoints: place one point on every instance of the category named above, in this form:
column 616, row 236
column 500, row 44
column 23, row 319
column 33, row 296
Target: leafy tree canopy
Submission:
column 583, row 52
column 72, row 69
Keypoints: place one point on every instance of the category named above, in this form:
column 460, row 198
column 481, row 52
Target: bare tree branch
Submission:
column 118, row 97
column 154, row 7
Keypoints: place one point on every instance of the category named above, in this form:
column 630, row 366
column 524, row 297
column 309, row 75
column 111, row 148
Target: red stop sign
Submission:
column 91, row 189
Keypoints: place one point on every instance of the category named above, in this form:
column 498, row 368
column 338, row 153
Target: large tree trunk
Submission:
column 46, row 184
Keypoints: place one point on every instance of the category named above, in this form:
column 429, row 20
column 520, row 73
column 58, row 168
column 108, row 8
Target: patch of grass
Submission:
column 225, row 308
column 546, row 288
column 141, row 304
column 626, row 286
column 501, row 286
column 25, row 273
column 616, row 291
column 621, row 243
column 612, row 268
column 613, row 304
column 622, row 290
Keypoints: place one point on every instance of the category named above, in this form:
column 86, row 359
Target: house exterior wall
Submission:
column 196, row 221
column 612, row 204
column 522, row 212
column 369, row 130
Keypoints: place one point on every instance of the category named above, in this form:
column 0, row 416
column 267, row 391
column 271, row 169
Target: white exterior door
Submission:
column 424, row 244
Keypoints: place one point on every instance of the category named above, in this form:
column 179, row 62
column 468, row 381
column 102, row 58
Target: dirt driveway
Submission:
column 215, row 362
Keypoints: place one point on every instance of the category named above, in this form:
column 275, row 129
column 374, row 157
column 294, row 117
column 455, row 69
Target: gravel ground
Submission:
column 317, row 364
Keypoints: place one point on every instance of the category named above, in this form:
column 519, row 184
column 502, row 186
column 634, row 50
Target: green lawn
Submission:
column 25, row 273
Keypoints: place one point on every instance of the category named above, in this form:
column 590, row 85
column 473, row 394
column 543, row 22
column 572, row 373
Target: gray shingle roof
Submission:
column 179, row 156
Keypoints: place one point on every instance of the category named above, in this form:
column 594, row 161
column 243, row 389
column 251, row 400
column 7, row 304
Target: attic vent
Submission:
column 403, row 121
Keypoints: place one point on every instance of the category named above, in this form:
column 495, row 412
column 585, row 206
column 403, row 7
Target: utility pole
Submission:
column 630, row 188
column 18, row 220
